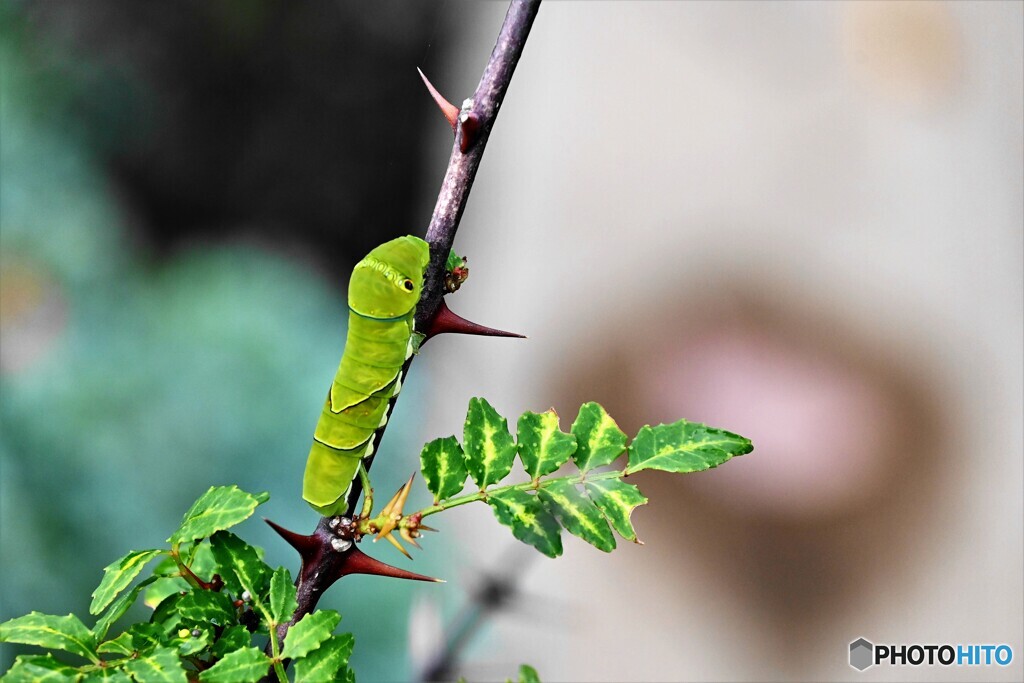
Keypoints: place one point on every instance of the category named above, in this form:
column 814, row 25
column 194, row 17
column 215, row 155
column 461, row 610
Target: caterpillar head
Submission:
column 387, row 283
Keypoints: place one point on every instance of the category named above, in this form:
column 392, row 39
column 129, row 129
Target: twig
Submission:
column 321, row 565
column 462, row 167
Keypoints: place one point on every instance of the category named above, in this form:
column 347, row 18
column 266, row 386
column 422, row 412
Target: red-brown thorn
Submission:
column 450, row 111
column 445, row 320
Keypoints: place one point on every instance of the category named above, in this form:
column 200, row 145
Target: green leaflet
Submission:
column 577, row 514
column 599, row 440
column 527, row 674
column 282, row 596
column 40, row 669
column 118, row 608
column 528, row 519
column 206, row 607
column 488, row 445
column 543, row 447
column 117, row 575
column 328, row 662
column 684, row 447
column 66, row 633
column 221, row 507
column 444, row 467
column 234, row 638
column 160, row 666
column 309, row 632
column 122, row 645
column 240, row 666
column 617, row 500
column 240, row 564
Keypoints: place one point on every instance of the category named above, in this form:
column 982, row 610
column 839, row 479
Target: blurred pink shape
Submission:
column 819, row 427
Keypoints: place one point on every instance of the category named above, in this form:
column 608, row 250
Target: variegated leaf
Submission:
column 162, row 665
column 117, row 575
column 617, row 500
column 66, row 633
column 328, row 662
column 488, row 445
column 221, row 507
column 444, row 467
column 599, row 440
column 578, row 514
column 528, row 519
column 684, row 447
column 248, row 664
column 542, row 446
column 309, row 632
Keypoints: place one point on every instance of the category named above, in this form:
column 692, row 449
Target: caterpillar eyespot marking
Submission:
column 382, row 297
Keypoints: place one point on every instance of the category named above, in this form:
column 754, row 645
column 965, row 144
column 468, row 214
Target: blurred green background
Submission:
column 183, row 192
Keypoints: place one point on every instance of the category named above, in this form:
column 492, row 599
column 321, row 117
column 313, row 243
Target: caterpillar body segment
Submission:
column 382, row 297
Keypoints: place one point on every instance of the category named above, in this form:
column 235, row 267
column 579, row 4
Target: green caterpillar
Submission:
column 382, row 297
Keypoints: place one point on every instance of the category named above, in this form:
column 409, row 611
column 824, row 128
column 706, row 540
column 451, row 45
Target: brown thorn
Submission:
column 358, row 562
column 306, row 545
column 445, row 320
column 424, row 527
column 470, row 127
column 450, row 111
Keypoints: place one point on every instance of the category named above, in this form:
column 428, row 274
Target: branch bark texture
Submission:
column 463, row 166
column 323, row 563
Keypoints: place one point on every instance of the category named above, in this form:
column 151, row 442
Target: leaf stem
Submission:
column 581, row 478
column 185, row 571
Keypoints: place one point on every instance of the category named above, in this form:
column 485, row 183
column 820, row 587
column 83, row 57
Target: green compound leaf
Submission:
column 577, row 514
column 159, row 666
column 40, row 669
column 528, row 519
column 240, row 565
column 234, row 638
column 684, row 447
column 118, row 608
column 527, row 674
column 282, row 596
column 543, row 447
column 489, row 446
column 221, row 507
column 122, row 645
column 617, row 500
column 444, row 467
column 599, row 440
column 240, row 666
column 117, row 575
column 56, row 633
column 328, row 662
column 309, row 632
column 206, row 607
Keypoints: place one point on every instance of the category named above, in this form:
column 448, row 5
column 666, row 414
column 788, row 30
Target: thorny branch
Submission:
column 321, row 566
column 462, row 167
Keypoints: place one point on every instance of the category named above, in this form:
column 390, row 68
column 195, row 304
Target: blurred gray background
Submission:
column 798, row 221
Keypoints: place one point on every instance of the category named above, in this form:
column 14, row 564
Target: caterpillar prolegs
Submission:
column 382, row 297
